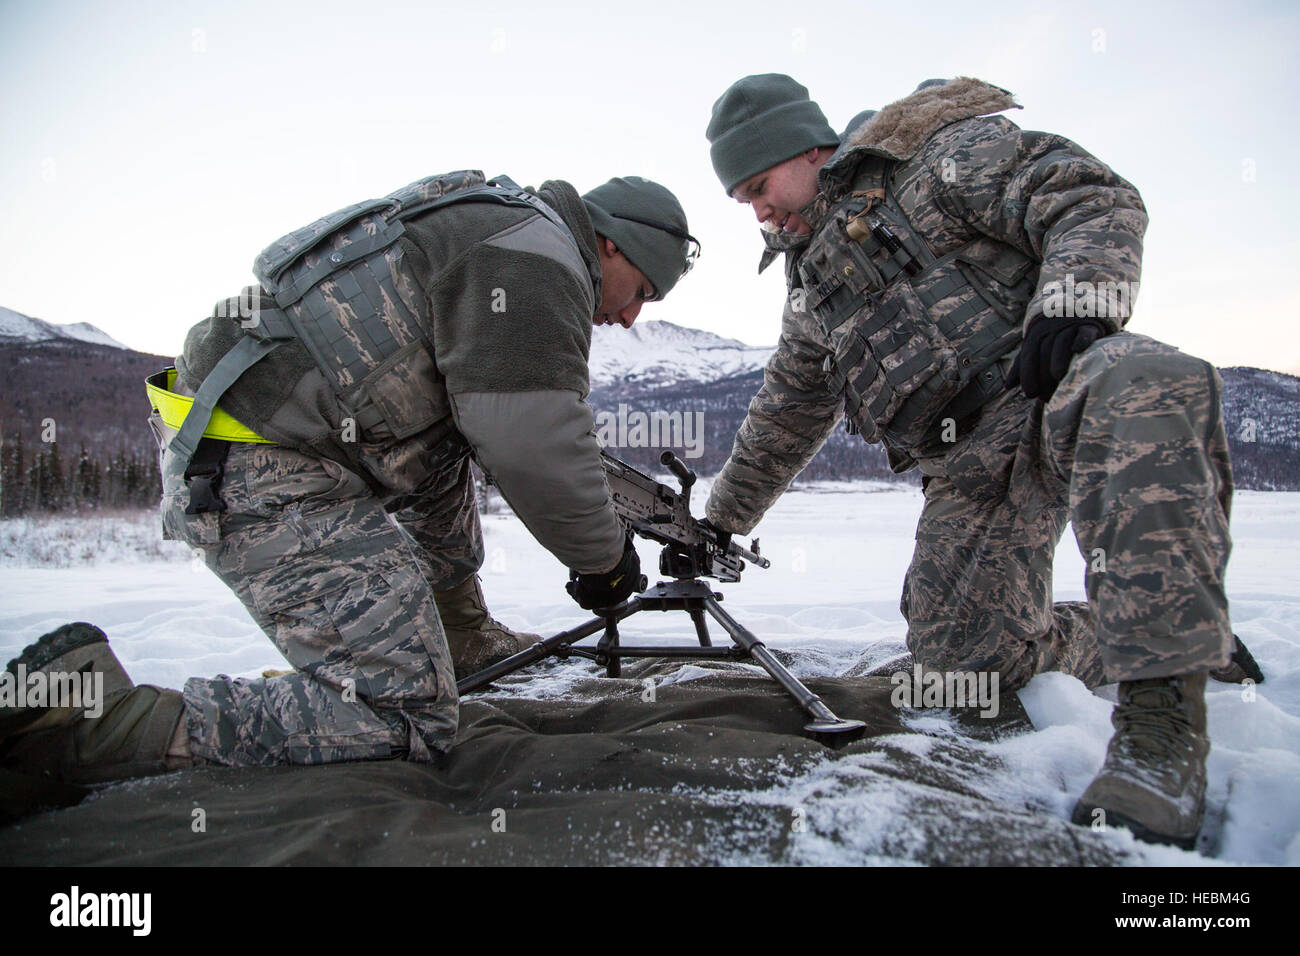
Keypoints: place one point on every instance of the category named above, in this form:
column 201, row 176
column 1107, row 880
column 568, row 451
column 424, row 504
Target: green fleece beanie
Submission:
column 761, row 121
column 648, row 225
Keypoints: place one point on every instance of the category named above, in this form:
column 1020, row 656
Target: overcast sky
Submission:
column 152, row 149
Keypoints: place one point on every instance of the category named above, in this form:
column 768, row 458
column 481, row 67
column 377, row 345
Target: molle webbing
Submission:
column 341, row 265
column 918, row 339
column 349, row 251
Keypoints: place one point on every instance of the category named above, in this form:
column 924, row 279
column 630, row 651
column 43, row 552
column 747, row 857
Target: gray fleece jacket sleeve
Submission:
column 540, row 448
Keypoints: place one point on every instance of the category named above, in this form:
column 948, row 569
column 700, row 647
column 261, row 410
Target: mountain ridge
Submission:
column 17, row 328
column 655, row 368
column 676, row 353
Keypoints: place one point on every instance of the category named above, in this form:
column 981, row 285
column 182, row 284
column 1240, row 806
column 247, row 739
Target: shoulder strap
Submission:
column 246, row 353
column 275, row 326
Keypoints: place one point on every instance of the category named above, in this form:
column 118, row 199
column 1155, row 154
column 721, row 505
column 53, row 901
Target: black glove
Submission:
column 610, row 587
column 1045, row 356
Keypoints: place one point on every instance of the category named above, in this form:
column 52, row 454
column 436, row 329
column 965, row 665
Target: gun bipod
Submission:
column 697, row 599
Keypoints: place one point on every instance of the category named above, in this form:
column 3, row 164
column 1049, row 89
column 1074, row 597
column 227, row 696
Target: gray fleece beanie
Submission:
column 648, row 225
column 761, row 121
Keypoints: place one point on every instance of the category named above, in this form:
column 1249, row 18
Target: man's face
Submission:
column 777, row 194
column 623, row 288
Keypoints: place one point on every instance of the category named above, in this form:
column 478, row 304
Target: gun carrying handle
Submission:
column 678, row 468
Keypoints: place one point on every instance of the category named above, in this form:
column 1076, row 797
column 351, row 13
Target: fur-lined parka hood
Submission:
column 900, row 129
column 897, row 132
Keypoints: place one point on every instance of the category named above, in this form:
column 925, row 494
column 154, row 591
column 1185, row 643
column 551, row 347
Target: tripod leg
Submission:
column 701, row 626
column 824, row 722
column 613, row 665
column 546, row 648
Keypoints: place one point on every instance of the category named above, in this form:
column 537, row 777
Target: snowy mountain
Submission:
column 652, row 354
column 656, row 385
column 662, row 368
column 19, row 329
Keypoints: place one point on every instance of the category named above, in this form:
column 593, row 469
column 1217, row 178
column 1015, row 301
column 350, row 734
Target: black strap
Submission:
column 203, row 475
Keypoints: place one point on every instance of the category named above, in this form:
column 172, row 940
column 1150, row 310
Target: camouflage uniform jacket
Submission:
column 990, row 221
column 502, row 304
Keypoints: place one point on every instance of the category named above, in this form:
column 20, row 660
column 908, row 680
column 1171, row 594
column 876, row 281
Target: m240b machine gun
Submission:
column 692, row 550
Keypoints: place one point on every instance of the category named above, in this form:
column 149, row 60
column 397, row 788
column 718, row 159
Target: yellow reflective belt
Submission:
column 173, row 408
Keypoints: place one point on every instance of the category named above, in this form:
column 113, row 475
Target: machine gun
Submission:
column 652, row 510
column 692, row 550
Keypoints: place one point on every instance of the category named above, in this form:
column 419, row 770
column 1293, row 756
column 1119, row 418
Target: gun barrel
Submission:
column 750, row 556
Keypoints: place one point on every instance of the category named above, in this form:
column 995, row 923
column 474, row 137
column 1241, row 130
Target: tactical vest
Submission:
column 917, row 340
column 337, row 291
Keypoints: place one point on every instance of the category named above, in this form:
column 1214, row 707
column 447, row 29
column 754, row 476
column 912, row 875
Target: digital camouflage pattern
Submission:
column 443, row 524
column 1138, row 428
column 272, row 262
column 337, row 586
column 960, row 175
column 336, row 537
column 1130, row 447
column 1121, row 450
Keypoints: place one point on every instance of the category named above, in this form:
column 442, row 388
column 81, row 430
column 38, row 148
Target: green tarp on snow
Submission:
column 714, row 770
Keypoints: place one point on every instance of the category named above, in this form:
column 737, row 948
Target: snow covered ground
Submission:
column 838, row 556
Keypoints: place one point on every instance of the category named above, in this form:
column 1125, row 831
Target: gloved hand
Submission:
column 1045, row 356
column 608, row 587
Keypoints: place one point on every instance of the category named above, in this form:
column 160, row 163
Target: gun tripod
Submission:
column 697, row 599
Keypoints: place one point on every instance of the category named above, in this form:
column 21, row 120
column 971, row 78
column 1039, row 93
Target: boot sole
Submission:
column 1082, row 817
column 48, row 649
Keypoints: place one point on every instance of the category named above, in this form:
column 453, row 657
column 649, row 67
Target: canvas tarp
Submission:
column 713, row 767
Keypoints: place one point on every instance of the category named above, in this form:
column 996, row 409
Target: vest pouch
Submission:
column 834, row 287
column 899, row 369
column 969, row 319
column 1003, row 275
column 833, row 296
column 919, row 363
column 884, row 245
column 405, row 394
column 403, row 471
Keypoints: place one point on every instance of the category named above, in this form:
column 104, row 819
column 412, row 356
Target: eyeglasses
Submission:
column 693, row 249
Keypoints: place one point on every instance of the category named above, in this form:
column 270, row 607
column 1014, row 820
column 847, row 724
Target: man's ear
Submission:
column 606, row 247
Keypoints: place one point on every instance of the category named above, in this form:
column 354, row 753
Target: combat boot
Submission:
column 118, row 731
column 476, row 640
column 1153, row 780
column 72, row 652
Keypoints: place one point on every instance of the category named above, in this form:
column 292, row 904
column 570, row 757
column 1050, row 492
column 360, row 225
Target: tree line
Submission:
column 44, row 477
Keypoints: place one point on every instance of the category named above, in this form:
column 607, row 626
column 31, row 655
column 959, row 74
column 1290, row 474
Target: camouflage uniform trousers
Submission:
column 343, row 592
column 1131, row 449
column 440, row 517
